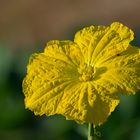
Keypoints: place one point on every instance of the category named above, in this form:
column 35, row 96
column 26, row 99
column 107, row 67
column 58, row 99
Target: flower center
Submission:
column 86, row 72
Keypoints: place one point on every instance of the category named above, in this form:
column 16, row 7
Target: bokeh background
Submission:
column 25, row 27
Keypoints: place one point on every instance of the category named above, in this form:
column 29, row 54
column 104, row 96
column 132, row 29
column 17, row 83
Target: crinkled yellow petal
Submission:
column 101, row 105
column 95, row 41
column 122, row 72
column 48, row 74
column 66, row 51
column 81, row 102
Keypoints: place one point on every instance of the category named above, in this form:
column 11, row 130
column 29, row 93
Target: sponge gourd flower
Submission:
column 82, row 79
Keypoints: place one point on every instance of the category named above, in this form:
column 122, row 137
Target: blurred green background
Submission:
column 25, row 27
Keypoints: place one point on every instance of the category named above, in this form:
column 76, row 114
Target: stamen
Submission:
column 86, row 73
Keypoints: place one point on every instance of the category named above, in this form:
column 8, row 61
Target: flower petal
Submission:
column 82, row 103
column 45, row 82
column 102, row 106
column 66, row 51
column 123, row 72
column 94, row 40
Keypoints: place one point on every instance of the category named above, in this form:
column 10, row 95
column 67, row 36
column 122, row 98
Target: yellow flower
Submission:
column 82, row 79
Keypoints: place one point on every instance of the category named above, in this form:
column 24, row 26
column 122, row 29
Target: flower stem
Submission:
column 90, row 131
column 93, row 134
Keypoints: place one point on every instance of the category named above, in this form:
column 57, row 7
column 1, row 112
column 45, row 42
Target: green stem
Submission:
column 93, row 134
column 90, row 131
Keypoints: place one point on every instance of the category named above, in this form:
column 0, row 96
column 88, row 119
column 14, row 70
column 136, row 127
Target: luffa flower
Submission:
column 82, row 79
